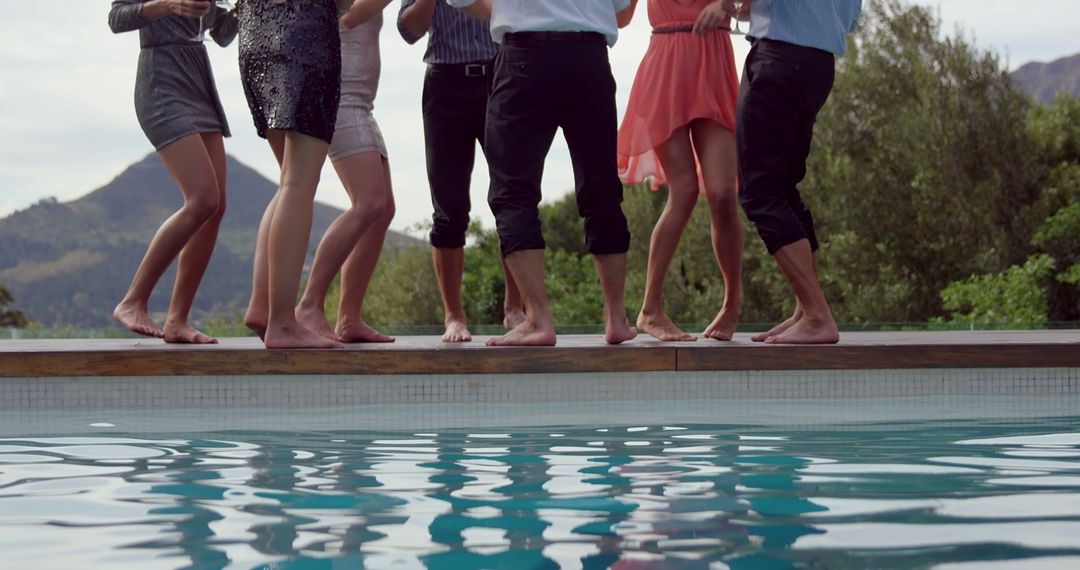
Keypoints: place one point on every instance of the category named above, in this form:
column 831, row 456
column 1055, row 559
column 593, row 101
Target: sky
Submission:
column 66, row 85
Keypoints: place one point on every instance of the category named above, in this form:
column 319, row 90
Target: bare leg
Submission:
column 259, row 307
column 513, row 305
column 816, row 325
column 195, row 257
column 374, row 191
column 449, row 265
column 677, row 157
column 789, row 322
column 190, row 165
column 288, row 238
column 612, row 271
column 362, row 177
column 527, row 267
column 715, row 146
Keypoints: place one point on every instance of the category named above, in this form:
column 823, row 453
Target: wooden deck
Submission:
column 574, row 354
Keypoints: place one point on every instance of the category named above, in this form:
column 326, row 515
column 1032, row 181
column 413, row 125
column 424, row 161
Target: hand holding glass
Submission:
column 738, row 16
column 224, row 5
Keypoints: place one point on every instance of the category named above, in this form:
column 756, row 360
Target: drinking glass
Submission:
column 201, row 36
column 736, row 31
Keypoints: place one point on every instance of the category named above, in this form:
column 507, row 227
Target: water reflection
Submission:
column 629, row 497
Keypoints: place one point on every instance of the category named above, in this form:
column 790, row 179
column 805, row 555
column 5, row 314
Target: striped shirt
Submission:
column 821, row 24
column 454, row 37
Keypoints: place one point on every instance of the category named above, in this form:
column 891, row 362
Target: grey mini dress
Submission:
column 357, row 131
column 290, row 65
column 175, row 92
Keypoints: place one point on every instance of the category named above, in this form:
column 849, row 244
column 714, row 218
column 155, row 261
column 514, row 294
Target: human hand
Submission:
column 713, row 17
column 189, row 8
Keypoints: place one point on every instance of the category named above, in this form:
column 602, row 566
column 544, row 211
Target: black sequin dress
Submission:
column 290, row 64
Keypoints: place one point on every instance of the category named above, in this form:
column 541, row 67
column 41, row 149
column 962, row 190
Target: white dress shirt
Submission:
column 509, row 16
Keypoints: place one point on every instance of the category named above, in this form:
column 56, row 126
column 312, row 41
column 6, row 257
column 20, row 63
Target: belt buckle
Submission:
column 475, row 70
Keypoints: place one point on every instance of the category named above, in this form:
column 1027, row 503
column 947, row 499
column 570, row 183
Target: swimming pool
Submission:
column 941, row 481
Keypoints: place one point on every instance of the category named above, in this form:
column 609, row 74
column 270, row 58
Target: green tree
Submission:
column 1015, row 296
column 1045, row 286
column 922, row 173
column 10, row 317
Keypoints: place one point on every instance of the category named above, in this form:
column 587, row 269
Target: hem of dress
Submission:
column 262, row 133
column 653, row 178
column 335, row 157
column 160, row 146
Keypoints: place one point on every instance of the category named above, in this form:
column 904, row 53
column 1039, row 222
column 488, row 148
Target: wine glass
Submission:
column 201, row 36
column 736, row 31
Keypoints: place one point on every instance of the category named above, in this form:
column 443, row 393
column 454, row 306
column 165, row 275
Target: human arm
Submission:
column 362, row 11
column 415, row 18
column 129, row 15
column 626, row 15
column 479, row 9
column 225, row 27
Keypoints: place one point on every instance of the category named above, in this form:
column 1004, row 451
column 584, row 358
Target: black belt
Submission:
column 522, row 38
column 465, row 69
column 681, row 29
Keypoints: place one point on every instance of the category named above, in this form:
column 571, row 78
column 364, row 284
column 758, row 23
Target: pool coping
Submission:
column 575, row 354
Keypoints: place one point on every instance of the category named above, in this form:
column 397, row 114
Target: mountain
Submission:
column 67, row 264
column 1044, row 81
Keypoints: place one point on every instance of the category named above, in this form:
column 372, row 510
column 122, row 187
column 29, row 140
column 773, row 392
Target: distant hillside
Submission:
column 1044, row 81
column 69, row 263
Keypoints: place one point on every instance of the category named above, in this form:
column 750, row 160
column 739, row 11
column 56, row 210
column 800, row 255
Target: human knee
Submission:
column 389, row 210
column 724, row 202
column 382, row 212
column 204, row 204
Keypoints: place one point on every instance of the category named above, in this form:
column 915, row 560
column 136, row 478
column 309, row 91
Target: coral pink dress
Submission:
column 682, row 77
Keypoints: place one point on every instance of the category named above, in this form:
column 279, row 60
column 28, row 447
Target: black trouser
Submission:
column 784, row 86
column 544, row 81
column 455, row 110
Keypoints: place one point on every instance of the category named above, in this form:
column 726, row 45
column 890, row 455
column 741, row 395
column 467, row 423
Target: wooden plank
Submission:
column 347, row 362
column 884, row 357
column 574, row 354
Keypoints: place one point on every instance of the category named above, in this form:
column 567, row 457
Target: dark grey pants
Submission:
column 455, row 110
column 545, row 81
column 784, row 86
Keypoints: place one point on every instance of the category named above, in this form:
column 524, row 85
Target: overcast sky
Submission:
column 69, row 125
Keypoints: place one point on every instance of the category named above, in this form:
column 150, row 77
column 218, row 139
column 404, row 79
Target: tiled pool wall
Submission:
column 284, row 392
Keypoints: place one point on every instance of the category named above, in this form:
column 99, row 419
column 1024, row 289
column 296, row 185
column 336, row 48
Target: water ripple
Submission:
column 630, row 496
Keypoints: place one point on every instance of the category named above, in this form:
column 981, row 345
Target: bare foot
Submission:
column 183, row 333
column 293, row 335
column 618, row 331
column 136, row 319
column 314, row 320
column 352, row 332
column 780, row 328
column 256, row 321
column 806, row 331
column 456, row 331
column 512, row 318
column 723, row 326
column 661, row 328
column 527, row 333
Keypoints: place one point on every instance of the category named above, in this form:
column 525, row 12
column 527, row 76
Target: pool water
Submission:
column 926, row 494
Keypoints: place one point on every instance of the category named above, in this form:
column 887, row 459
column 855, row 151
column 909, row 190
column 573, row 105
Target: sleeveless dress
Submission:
column 175, row 93
column 357, row 132
column 682, row 77
column 290, row 65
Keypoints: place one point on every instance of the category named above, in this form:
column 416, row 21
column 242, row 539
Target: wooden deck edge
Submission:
column 336, row 362
column 841, row 357
column 569, row 360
